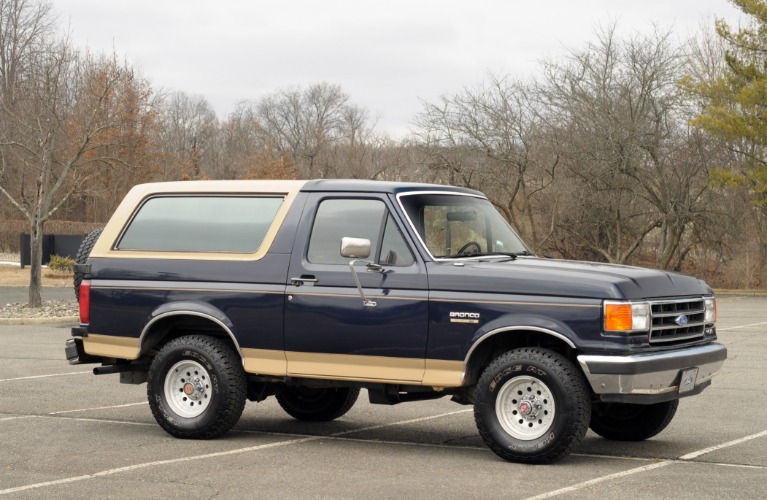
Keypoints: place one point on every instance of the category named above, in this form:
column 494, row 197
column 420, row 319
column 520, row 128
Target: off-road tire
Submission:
column 631, row 422
column 317, row 405
column 197, row 387
column 82, row 256
column 532, row 406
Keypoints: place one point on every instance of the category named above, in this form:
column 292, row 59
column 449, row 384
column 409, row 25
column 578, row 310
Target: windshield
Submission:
column 460, row 226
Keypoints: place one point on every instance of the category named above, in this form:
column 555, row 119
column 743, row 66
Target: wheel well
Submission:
column 502, row 342
column 166, row 329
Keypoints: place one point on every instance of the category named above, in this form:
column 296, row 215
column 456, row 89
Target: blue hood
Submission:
column 562, row 278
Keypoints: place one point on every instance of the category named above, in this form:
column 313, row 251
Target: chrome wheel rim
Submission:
column 187, row 388
column 525, row 408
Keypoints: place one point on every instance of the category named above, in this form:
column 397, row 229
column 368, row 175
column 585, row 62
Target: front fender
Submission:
column 521, row 322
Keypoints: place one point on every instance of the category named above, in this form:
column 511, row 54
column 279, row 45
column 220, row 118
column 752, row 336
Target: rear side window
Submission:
column 232, row 224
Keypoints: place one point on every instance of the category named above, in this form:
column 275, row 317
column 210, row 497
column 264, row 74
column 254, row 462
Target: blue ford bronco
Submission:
column 217, row 292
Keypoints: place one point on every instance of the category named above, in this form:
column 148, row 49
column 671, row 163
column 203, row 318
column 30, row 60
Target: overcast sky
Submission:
column 386, row 55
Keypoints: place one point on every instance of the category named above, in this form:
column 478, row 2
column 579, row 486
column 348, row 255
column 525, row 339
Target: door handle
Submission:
column 304, row 280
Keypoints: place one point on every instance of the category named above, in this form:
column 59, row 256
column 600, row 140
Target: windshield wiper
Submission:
column 510, row 255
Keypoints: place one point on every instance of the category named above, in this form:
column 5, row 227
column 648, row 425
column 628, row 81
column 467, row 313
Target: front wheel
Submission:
column 532, row 406
column 318, row 405
column 631, row 422
column 196, row 387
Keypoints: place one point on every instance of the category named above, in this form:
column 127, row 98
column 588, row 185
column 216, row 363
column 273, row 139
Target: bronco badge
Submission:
column 464, row 317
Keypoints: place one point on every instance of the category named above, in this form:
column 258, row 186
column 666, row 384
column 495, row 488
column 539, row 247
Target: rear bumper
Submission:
column 75, row 353
column 655, row 377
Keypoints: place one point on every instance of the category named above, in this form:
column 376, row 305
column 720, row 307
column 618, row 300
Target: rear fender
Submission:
column 186, row 308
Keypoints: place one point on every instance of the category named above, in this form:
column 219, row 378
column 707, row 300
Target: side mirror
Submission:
column 359, row 250
column 355, row 248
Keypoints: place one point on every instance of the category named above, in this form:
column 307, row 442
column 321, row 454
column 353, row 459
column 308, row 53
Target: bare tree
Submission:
column 488, row 138
column 55, row 135
column 24, row 28
column 634, row 169
column 187, row 136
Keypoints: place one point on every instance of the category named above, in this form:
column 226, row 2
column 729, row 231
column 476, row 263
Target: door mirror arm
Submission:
column 365, row 301
column 359, row 250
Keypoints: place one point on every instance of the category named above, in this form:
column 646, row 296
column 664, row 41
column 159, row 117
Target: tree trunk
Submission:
column 35, row 272
column 762, row 264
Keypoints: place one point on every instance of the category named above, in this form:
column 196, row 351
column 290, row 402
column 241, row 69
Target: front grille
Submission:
column 668, row 320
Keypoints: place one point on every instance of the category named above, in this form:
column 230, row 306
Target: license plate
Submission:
column 687, row 380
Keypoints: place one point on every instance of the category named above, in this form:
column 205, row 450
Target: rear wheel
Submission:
column 532, row 406
column 196, row 387
column 631, row 422
column 318, row 405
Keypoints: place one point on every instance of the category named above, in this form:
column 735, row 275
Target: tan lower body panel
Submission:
column 380, row 369
column 354, row 367
column 442, row 373
column 264, row 362
column 110, row 346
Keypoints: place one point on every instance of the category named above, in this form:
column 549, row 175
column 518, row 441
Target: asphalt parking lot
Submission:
column 65, row 433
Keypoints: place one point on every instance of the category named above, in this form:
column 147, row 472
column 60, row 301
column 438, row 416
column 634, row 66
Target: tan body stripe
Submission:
column 111, row 346
column 380, row 369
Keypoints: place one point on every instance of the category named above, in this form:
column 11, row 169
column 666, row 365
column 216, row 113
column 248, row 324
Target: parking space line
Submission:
column 237, row 451
column 16, row 417
column 103, row 421
column 734, row 442
column 726, row 329
column 597, row 480
column 99, row 408
column 683, row 459
column 45, row 376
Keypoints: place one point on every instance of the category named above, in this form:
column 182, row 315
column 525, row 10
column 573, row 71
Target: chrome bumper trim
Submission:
column 651, row 374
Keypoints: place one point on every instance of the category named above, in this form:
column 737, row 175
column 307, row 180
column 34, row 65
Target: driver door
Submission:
column 329, row 332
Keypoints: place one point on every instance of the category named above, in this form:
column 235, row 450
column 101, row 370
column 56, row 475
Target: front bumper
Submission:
column 654, row 377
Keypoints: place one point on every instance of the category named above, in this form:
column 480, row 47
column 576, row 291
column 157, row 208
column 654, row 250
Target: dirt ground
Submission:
column 15, row 276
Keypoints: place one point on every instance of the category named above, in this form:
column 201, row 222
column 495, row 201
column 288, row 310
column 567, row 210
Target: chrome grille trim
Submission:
column 664, row 313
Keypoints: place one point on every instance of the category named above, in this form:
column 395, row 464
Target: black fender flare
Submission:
column 518, row 322
column 189, row 308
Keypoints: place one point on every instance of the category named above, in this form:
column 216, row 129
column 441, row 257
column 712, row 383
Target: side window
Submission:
column 231, row 224
column 358, row 219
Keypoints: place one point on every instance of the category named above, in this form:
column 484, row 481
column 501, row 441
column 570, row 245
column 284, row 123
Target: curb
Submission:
column 40, row 321
column 742, row 293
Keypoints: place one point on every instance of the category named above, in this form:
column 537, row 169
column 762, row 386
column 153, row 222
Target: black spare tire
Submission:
column 82, row 256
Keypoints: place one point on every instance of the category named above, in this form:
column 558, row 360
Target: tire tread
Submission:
column 231, row 374
column 581, row 407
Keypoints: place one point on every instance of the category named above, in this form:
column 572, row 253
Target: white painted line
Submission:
column 237, row 451
column 734, row 442
column 406, row 443
column 131, row 468
column 736, row 466
column 45, row 376
column 638, row 470
column 598, row 480
column 98, row 408
column 403, row 422
column 727, row 329
column 16, row 417
column 104, row 421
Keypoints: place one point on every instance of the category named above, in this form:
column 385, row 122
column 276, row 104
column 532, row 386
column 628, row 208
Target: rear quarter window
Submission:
column 209, row 223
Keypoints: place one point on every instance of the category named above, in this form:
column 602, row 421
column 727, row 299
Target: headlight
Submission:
column 627, row 316
column 710, row 315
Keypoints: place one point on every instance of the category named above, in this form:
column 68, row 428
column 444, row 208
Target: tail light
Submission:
column 85, row 301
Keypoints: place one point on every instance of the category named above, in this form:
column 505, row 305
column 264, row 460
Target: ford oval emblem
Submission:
column 682, row 320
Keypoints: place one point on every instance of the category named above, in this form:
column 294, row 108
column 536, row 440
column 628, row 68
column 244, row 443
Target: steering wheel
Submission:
column 468, row 245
